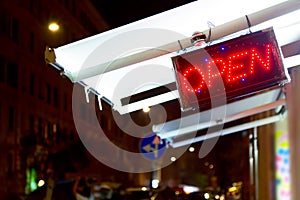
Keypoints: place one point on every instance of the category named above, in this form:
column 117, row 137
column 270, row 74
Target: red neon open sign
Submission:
column 234, row 68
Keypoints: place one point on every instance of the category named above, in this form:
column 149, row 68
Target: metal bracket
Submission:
column 50, row 55
column 87, row 91
column 99, row 101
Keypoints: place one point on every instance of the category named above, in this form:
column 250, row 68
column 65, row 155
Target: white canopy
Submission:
column 123, row 62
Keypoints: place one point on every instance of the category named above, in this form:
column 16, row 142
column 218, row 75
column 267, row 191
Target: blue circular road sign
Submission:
column 152, row 147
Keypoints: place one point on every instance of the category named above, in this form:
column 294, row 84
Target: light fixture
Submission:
column 53, row 26
column 198, row 39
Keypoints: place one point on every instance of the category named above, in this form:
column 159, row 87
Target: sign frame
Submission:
column 215, row 73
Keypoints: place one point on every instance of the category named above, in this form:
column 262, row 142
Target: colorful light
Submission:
column 283, row 174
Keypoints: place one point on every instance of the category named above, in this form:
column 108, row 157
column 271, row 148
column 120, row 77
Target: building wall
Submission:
column 35, row 103
column 293, row 99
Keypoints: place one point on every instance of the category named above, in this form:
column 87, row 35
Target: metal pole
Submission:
column 256, row 160
column 227, row 131
column 251, row 166
column 201, row 126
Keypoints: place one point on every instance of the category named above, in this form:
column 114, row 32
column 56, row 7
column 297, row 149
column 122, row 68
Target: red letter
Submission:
column 255, row 56
column 231, row 67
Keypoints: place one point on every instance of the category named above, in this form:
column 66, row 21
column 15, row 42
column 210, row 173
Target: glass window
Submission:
column 40, row 126
column 85, row 20
column 31, row 44
column 4, row 24
column 31, row 6
column 11, row 118
column 67, row 3
column 10, row 165
column 31, row 84
column 1, row 114
column 41, row 90
column 12, row 74
column 31, row 123
column 2, row 69
column 55, row 97
column 48, row 94
column 15, row 30
column 73, row 7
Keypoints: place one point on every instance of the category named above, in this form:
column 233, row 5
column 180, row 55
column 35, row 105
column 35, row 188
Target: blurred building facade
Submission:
column 35, row 104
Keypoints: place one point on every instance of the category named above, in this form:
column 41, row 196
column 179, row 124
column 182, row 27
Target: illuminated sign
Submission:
column 235, row 68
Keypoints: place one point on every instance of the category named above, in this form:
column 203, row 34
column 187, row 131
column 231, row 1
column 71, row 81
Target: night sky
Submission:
column 118, row 13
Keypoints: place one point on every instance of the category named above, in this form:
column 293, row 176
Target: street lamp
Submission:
column 53, row 26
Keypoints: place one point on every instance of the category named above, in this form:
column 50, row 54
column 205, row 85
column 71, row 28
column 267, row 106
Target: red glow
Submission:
column 228, row 66
column 244, row 65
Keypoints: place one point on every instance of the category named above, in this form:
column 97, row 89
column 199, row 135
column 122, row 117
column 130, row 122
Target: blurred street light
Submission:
column 146, row 109
column 41, row 183
column 53, row 26
column 191, row 149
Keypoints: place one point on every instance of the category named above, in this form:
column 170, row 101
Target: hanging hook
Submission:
column 87, row 91
column 99, row 101
column 249, row 23
column 210, row 26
